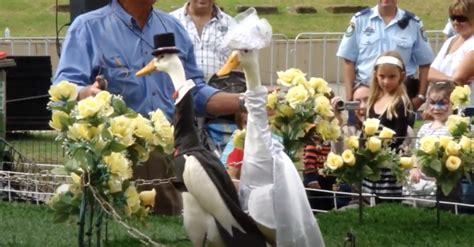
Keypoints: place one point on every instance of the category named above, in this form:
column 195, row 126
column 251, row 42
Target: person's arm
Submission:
column 436, row 75
column 349, row 77
column 222, row 103
column 423, row 77
column 465, row 69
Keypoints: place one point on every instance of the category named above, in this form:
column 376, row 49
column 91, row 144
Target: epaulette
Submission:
column 363, row 12
column 410, row 15
column 403, row 23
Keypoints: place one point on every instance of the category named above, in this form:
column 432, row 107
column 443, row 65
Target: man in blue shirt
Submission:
column 115, row 42
column 385, row 27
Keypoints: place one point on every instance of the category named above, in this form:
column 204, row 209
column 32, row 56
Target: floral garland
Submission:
column 103, row 139
column 301, row 111
column 450, row 158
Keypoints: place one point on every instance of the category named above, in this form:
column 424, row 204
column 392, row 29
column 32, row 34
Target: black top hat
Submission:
column 164, row 44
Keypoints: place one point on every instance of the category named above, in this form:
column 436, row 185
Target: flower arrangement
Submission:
column 450, row 158
column 103, row 139
column 301, row 111
column 366, row 156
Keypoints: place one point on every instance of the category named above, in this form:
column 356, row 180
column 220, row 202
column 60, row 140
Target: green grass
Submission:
column 36, row 18
column 384, row 225
column 38, row 146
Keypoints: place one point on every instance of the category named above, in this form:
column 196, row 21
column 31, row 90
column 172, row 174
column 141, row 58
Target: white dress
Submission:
column 448, row 63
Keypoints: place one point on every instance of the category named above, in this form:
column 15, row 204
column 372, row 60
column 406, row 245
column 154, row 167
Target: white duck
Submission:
column 211, row 210
column 270, row 187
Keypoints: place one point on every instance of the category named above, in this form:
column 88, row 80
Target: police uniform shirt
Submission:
column 367, row 37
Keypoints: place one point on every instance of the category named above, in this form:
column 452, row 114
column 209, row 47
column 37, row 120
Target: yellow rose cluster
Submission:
column 104, row 139
column 364, row 157
column 446, row 158
column 301, row 110
column 461, row 96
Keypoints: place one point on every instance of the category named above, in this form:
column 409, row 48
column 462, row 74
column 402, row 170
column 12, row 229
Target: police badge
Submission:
column 350, row 29
column 423, row 34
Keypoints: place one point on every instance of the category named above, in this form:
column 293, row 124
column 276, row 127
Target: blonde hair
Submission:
column 466, row 7
column 400, row 93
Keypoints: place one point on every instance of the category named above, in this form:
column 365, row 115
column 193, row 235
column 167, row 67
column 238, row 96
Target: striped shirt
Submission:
column 426, row 130
column 208, row 48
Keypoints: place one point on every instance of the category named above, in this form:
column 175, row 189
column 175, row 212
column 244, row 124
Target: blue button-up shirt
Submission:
column 109, row 42
column 368, row 37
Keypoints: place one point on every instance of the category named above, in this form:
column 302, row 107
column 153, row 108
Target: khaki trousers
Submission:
column 168, row 200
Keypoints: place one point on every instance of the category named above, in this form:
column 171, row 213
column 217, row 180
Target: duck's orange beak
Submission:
column 148, row 69
column 232, row 63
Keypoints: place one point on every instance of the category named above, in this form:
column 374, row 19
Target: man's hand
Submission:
column 93, row 89
column 314, row 185
column 416, row 102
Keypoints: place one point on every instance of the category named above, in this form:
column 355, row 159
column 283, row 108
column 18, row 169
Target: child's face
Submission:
column 439, row 106
column 389, row 77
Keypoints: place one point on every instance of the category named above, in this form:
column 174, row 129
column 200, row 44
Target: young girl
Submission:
column 388, row 102
column 439, row 108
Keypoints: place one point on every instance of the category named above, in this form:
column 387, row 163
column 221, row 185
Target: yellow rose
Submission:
column 348, row 157
column 428, row 144
column 272, row 100
column 406, row 162
column 133, row 200
column 56, row 118
column 328, row 130
column 371, row 126
column 352, row 142
column 296, row 96
column 285, row 110
column 115, row 184
column 334, row 161
column 63, row 91
column 455, row 120
column 286, row 78
column 76, row 179
column 118, row 165
column 453, row 148
column 143, row 127
column 143, row 154
column 322, row 106
column 465, row 144
column 164, row 135
column 123, row 128
column 239, row 138
column 444, row 140
column 386, row 133
column 147, row 197
column 320, row 85
column 453, row 163
column 157, row 115
column 461, row 96
column 374, row 144
column 89, row 107
column 79, row 131
column 104, row 97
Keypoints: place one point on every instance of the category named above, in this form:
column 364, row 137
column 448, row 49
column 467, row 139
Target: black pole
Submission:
column 82, row 218
column 98, row 226
column 438, row 190
column 91, row 224
column 361, row 204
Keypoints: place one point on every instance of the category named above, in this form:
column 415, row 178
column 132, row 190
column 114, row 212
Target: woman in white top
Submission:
column 455, row 60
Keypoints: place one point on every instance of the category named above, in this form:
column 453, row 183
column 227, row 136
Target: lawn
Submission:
column 37, row 18
column 384, row 225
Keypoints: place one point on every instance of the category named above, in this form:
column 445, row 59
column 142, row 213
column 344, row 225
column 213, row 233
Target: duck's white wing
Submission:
column 270, row 188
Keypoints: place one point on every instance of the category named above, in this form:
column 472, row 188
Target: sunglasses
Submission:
column 459, row 18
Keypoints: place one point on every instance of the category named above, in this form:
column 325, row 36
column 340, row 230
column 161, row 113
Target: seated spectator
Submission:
column 439, row 108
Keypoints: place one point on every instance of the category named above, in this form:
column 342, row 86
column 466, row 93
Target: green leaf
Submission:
column 435, row 165
column 116, row 146
column 447, row 186
column 59, row 171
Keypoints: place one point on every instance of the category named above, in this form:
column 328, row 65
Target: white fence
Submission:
column 312, row 52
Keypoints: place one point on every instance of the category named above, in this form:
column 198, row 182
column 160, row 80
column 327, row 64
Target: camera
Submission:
column 342, row 105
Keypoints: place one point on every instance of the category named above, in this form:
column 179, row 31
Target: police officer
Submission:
column 385, row 27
